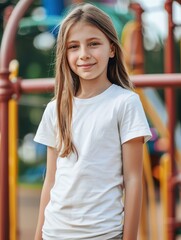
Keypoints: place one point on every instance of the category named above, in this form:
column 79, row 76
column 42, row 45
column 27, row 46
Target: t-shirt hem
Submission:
column 108, row 236
column 147, row 136
column 44, row 141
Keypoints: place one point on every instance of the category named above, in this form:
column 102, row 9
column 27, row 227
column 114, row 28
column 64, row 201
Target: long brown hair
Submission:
column 67, row 82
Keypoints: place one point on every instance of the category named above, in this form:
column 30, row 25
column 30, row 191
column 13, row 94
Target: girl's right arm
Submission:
column 48, row 184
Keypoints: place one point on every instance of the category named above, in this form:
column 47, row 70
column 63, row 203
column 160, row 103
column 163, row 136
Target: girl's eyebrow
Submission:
column 88, row 39
column 93, row 38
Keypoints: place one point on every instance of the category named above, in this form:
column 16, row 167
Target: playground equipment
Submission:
column 174, row 177
column 8, row 89
column 134, row 58
column 13, row 155
column 154, row 112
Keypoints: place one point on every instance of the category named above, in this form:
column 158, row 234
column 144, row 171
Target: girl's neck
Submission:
column 91, row 88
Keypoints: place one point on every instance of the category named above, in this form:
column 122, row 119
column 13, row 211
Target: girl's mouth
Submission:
column 86, row 65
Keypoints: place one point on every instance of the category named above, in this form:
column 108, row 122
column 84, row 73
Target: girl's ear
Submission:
column 112, row 51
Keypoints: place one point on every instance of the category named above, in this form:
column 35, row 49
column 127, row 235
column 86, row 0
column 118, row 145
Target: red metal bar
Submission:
column 169, row 44
column 36, row 85
column 8, row 40
column 157, row 80
column 137, row 58
column 4, row 184
column 6, row 91
column 4, row 192
column 146, row 80
column 170, row 104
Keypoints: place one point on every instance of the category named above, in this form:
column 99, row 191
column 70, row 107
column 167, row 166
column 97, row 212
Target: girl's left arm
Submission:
column 132, row 151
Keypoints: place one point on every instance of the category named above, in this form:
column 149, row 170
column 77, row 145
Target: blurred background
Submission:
column 144, row 54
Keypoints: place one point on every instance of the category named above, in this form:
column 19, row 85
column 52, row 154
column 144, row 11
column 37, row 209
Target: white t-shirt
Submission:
column 85, row 201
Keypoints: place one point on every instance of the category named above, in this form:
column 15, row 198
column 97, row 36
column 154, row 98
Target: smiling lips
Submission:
column 86, row 65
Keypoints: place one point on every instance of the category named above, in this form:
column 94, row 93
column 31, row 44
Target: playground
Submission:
column 158, row 91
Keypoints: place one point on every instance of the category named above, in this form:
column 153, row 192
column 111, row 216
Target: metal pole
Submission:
column 169, row 44
column 6, row 91
column 170, row 103
column 139, row 48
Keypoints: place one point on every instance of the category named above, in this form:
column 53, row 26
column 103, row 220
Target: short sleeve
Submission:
column 133, row 122
column 46, row 132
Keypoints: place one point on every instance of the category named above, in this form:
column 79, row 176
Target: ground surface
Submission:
column 28, row 202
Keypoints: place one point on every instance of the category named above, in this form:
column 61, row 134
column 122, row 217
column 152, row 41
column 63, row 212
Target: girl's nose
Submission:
column 84, row 53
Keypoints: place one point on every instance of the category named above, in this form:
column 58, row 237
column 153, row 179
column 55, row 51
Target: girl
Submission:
column 94, row 130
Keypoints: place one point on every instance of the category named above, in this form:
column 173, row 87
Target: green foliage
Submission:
column 154, row 61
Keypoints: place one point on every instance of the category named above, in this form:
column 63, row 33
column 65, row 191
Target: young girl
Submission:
column 94, row 130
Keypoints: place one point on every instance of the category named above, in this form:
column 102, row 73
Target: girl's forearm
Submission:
column 133, row 199
column 47, row 186
column 45, row 197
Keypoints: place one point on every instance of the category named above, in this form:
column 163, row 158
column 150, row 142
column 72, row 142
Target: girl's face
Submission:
column 88, row 52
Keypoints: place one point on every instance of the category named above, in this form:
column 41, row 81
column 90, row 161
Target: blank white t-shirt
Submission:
column 85, row 201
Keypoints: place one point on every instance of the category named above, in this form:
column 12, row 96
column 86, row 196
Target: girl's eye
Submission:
column 73, row 47
column 93, row 44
